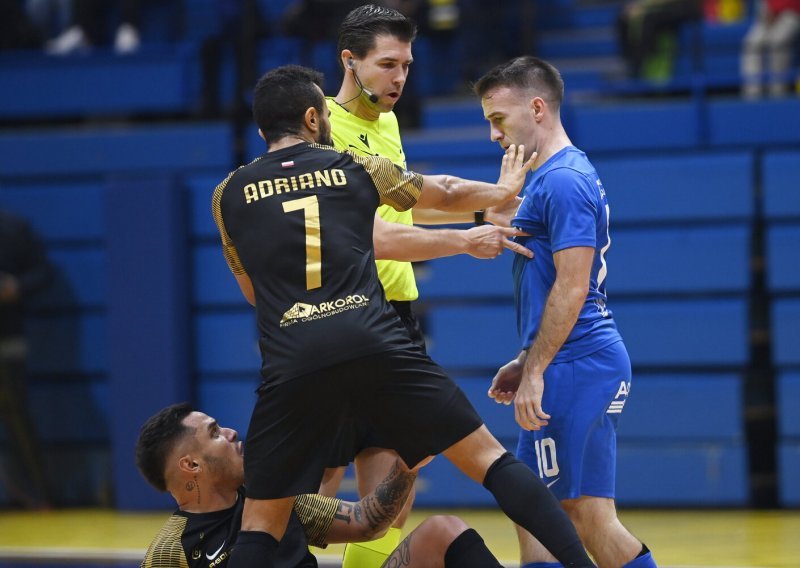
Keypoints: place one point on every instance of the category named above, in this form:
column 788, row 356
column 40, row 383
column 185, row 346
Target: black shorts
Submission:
column 406, row 399
column 359, row 434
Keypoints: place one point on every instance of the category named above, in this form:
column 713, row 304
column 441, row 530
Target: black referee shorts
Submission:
column 405, row 398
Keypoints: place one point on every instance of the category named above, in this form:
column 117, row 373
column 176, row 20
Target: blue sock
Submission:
column 644, row 560
column 542, row 565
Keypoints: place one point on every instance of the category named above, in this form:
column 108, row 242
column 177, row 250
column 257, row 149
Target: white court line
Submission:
column 137, row 554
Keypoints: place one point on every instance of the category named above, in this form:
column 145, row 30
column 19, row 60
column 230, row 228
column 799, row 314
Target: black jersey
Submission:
column 299, row 222
column 204, row 540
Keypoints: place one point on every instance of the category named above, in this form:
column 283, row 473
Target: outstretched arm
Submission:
column 450, row 193
column 396, row 241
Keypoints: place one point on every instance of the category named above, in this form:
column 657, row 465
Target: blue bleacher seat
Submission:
column 665, row 409
column 763, row 122
column 678, row 187
column 463, row 276
column 213, row 283
column 679, row 474
column 684, row 332
column 226, row 342
column 633, row 126
column 788, row 401
column 789, row 473
column 116, row 149
column 783, row 270
column 697, row 259
column 101, row 83
column 229, row 399
column 785, row 339
column 53, row 208
column 472, row 336
column 781, row 170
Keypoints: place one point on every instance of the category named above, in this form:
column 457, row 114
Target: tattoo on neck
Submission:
column 197, row 486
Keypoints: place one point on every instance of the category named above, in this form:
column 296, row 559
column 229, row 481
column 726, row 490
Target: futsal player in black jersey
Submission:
column 296, row 227
column 200, row 463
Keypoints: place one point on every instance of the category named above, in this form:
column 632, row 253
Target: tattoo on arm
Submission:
column 382, row 506
column 343, row 512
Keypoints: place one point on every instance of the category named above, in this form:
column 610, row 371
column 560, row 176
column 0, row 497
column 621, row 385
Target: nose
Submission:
column 230, row 434
column 495, row 134
column 400, row 77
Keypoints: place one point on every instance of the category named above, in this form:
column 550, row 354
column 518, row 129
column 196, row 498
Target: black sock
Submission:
column 525, row 500
column 469, row 551
column 253, row 548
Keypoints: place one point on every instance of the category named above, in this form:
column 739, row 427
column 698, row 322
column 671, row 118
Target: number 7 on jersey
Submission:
column 310, row 207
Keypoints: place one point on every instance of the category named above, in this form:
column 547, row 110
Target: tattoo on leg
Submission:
column 401, row 556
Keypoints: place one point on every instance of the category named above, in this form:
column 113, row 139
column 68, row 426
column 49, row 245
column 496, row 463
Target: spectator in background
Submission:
column 51, row 17
column 646, row 30
column 241, row 24
column 24, row 271
column 775, row 30
column 86, row 29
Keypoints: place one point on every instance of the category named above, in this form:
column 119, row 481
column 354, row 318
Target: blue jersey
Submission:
column 564, row 206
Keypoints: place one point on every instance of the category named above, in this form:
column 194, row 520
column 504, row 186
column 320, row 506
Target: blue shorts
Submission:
column 576, row 453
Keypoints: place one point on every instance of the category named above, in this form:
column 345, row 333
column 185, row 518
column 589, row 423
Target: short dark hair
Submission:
column 281, row 98
column 157, row 438
column 363, row 24
column 526, row 73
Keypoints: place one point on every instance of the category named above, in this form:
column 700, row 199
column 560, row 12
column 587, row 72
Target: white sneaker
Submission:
column 71, row 40
column 127, row 40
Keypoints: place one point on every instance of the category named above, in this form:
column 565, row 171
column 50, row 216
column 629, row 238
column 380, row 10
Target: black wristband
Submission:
column 479, row 218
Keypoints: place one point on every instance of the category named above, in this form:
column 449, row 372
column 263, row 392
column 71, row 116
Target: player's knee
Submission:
column 442, row 528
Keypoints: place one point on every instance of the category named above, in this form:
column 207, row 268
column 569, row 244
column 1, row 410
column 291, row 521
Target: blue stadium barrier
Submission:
column 679, row 260
column 788, row 401
column 450, row 147
column 229, row 399
column 71, row 411
column 68, row 344
column 633, row 126
column 684, row 332
column 153, row 80
column 199, row 190
column 226, row 342
column 785, row 339
column 783, row 270
column 789, row 473
column 682, row 475
column 667, row 409
column 464, row 276
column 763, row 122
column 472, row 336
column 781, row 170
column 122, row 149
column 80, row 280
column 53, row 207
column 682, row 187
column 565, row 44
column 213, row 283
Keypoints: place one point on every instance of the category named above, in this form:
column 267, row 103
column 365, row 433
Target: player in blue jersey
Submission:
column 572, row 376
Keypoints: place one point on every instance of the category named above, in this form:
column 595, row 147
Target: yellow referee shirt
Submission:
column 378, row 138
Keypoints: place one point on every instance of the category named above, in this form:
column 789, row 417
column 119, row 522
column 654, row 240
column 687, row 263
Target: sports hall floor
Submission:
column 693, row 538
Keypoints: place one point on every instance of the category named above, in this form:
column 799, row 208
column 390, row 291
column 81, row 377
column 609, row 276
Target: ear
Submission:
column 311, row 120
column 345, row 56
column 538, row 106
column 188, row 464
